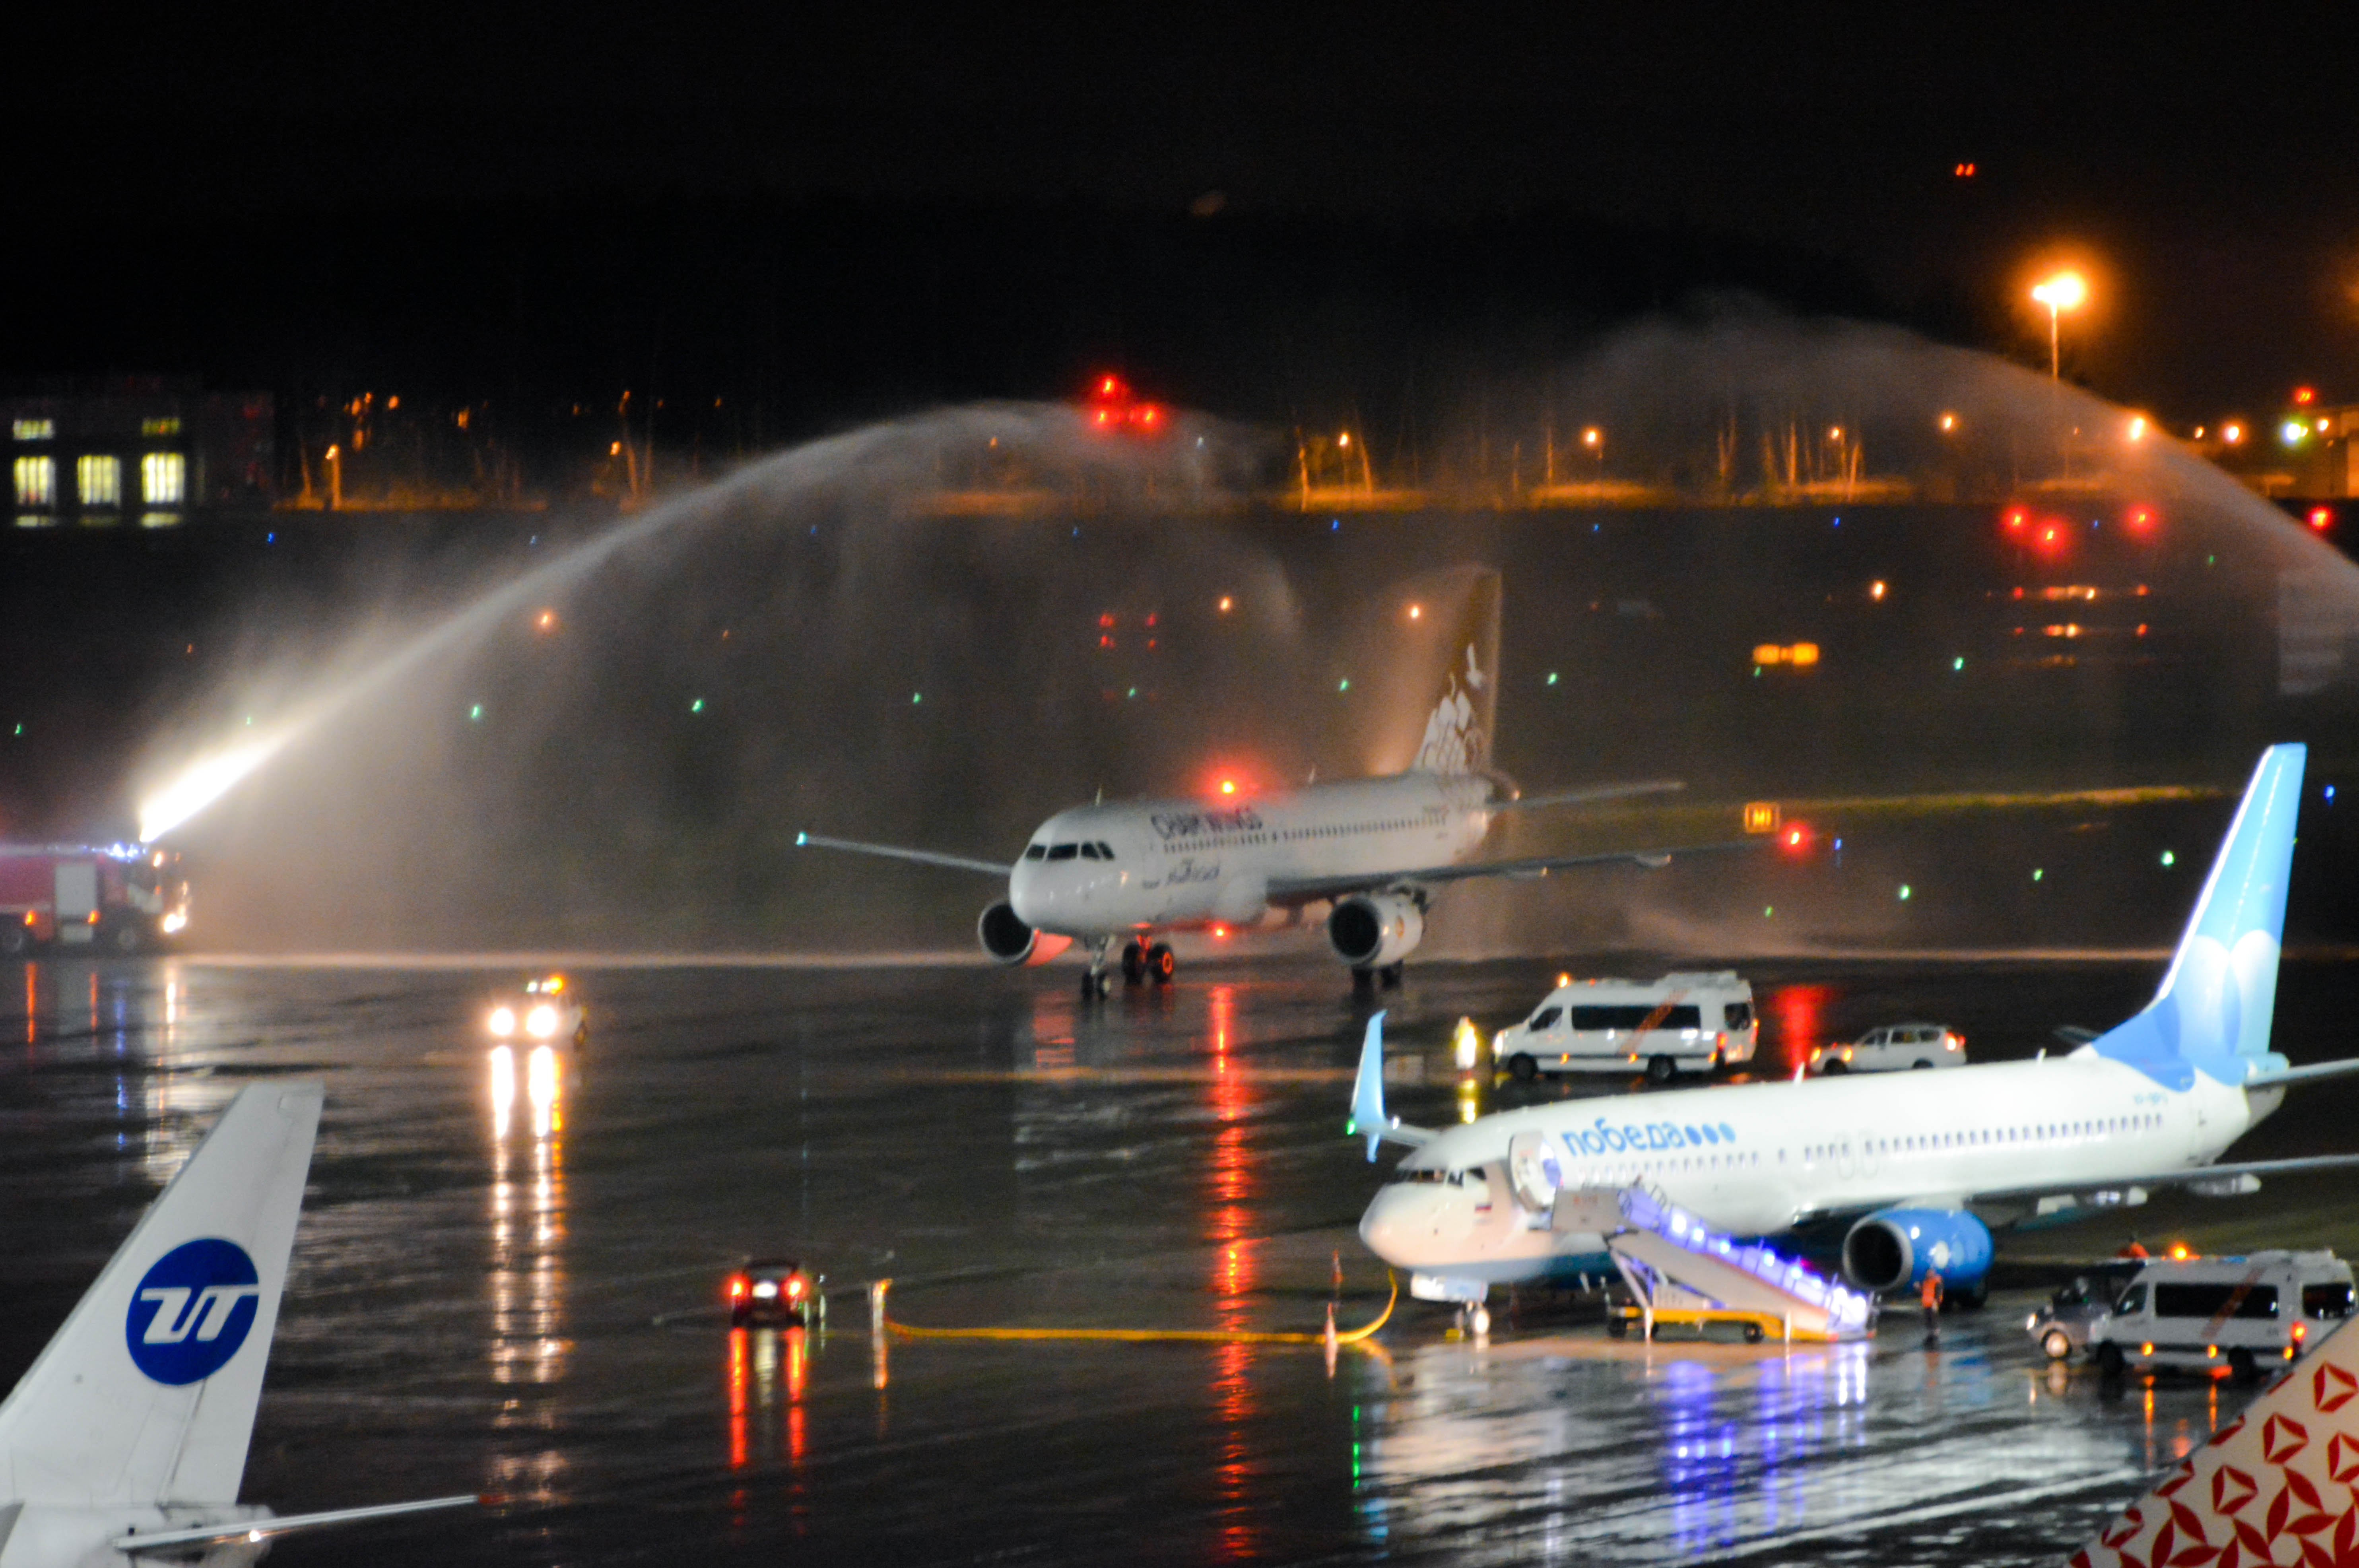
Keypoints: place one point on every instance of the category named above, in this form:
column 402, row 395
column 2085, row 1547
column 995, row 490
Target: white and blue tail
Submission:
column 2213, row 1012
column 1457, row 738
column 147, row 1395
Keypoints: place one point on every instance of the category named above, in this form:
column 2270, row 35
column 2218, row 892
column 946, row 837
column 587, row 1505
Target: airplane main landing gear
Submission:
column 1142, row 962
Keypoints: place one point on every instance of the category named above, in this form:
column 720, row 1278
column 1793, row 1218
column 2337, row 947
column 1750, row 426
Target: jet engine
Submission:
column 1896, row 1248
column 1368, row 930
column 1011, row 942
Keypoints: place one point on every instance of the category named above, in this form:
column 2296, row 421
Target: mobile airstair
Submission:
column 1679, row 1270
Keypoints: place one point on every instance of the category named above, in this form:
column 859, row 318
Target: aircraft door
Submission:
column 1534, row 1168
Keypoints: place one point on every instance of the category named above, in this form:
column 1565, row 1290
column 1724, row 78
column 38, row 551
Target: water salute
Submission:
column 1311, row 786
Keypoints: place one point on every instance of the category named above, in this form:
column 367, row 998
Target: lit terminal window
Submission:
column 37, row 481
column 34, row 521
column 33, row 429
column 164, row 425
column 163, row 478
column 98, row 480
column 160, row 519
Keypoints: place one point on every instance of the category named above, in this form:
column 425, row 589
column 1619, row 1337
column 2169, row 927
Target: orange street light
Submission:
column 2065, row 291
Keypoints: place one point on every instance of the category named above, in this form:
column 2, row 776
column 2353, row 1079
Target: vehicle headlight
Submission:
column 766, row 1288
column 176, row 921
column 502, row 1021
column 541, row 1022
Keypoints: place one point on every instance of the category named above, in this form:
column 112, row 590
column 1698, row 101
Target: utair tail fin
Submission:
column 147, row 1396
column 1458, row 730
column 1368, row 1117
column 2212, row 1013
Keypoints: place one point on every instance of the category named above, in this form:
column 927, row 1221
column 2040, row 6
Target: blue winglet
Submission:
column 1368, row 1089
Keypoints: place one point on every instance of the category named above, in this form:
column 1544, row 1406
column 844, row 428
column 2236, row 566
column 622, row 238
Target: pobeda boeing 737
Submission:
column 1917, row 1167
column 1375, row 849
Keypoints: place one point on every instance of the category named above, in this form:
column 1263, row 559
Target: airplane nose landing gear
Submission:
column 1097, row 982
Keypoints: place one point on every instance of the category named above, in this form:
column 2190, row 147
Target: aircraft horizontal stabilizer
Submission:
column 895, row 852
column 178, row 1542
column 1590, row 797
column 2310, row 1075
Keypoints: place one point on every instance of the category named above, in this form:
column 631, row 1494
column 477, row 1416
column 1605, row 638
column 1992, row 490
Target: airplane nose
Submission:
column 1384, row 1228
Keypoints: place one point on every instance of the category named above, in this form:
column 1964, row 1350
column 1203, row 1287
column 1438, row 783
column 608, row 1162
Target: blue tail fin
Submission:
column 1368, row 1115
column 2213, row 1012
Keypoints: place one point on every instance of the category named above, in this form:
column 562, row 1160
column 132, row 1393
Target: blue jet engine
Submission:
column 1896, row 1248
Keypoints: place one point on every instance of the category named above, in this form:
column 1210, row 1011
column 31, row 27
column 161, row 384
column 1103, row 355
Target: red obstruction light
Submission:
column 1112, row 407
column 1794, row 838
column 2016, row 517
column 2303, row 397
column 2321, row 518
column 2141, row 519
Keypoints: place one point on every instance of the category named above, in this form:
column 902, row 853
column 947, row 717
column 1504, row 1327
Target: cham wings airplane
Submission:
column 126, row 1440
column 1374, row 848
column 1914, row 1167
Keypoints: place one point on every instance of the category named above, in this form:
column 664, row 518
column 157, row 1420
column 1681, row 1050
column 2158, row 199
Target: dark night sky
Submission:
column 2203, row 162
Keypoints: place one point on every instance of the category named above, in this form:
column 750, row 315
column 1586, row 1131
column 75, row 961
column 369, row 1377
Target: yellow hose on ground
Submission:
column 1153, row 1335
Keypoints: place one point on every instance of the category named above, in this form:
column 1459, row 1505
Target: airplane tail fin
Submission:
column 147, row 1394
column 1458, row 728
column 2213, row 1008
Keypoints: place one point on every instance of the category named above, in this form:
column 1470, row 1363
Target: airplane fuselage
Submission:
column 1138, row 866
column 1760, row 1158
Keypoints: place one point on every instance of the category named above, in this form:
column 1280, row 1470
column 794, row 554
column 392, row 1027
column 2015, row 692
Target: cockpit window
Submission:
column 1089, row 852
column 1063, row 851
column 1105, row 850
column 1427, row 1177
column 1036, row 852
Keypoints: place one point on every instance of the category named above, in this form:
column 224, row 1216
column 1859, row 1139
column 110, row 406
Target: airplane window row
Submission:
column 1978, row 1138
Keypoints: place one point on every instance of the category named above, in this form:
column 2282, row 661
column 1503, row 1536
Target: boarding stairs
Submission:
column 1680, row 1271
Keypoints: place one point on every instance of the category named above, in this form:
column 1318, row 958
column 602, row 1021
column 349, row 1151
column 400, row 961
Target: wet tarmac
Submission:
column 523, row 1296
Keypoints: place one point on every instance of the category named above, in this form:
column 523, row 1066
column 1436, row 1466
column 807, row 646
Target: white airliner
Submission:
column 126, row 1440
column 1915, row 1167
column 1374, row 849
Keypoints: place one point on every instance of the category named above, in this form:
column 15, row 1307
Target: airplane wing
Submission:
column 1588, row 796
column 895, row 852
column 139, row 1543
column 1309, row 889
column 2186, row 1177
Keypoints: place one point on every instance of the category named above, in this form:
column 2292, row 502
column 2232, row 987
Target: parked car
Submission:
column 1894, row 1047
column 2061, row 1327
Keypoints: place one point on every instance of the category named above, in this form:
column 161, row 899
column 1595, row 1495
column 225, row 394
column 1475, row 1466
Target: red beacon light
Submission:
column 2322, row 518
column 1114, row 408
column 2141, row 519
column 1794, row 838
column 2017, row 519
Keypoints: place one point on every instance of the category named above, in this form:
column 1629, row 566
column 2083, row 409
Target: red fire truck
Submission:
column 117, row 898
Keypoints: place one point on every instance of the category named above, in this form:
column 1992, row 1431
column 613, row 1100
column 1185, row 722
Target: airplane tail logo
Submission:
column 2213, row 1009
column 147, row 1396
column 1457, row 737
column 192, row 1310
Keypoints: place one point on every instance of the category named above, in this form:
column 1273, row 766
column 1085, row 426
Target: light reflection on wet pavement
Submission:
column 490, row 1241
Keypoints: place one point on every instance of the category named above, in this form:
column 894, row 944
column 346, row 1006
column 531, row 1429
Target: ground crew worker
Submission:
column 1931, row 1295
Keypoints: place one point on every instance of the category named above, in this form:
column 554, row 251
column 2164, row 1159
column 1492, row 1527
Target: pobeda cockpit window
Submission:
column 1036, row 852
column 1063, row 851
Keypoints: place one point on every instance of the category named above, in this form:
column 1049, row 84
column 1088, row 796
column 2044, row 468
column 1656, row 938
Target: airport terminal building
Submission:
column 143, row 452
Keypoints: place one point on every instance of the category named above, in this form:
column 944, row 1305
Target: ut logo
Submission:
column 174, row 1317
column 192, row 1309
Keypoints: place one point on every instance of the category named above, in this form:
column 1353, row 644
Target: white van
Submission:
column 1679, row 1023
column 2214, row 1314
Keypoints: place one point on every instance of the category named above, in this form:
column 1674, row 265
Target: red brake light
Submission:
column 795, row 1286
column 736, row 1284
